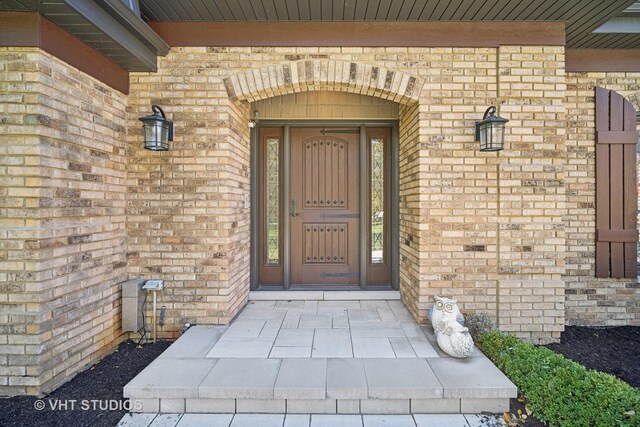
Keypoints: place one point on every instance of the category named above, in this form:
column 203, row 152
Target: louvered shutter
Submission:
column 616, row 186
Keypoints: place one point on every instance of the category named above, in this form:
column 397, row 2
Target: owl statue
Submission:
column 442, row 307
column 447, row 320
column 454, row 339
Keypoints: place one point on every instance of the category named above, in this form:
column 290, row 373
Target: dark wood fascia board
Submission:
column 602, row 60
column 74, row 52
column 30, row 29
column 19, row 29
column 361, row 34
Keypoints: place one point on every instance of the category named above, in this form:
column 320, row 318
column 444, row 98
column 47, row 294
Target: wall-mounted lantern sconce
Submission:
column 158, row 131
column 490, row 131
column 253, row 122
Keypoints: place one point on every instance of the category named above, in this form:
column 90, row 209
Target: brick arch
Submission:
column 323, row 74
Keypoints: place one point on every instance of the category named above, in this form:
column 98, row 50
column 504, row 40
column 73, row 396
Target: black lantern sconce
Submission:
column 490, row 131
column 158, row 131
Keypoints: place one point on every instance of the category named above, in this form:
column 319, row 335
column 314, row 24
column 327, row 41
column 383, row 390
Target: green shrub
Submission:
column 478, row 324
column 559, row 391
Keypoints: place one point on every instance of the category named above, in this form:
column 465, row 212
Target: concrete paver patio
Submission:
column 307, row 420
column 318, row 356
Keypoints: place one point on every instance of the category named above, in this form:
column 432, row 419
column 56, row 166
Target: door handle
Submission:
column 293, row 208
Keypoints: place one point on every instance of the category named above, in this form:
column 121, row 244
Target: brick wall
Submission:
column 484, row 227
column 591, row 301
column 62, row 241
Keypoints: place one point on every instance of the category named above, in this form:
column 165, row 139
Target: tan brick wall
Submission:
column 486, row 228
column 62, row 238
column 591, row 301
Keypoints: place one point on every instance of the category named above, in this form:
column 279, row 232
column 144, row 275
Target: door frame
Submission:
column 364, row 202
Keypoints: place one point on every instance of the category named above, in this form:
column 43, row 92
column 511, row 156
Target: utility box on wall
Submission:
column 132, row 301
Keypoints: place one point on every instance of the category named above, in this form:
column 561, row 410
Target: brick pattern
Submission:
column 456, row 203
column 327, row 73
column 591, row 301
column 85, row 206
column 62, row 243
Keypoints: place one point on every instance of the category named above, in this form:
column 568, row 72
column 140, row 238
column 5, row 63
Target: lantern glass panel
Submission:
column 491, row 136
column 156, row 135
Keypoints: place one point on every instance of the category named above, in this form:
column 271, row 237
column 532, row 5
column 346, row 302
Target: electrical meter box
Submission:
column 132, row 301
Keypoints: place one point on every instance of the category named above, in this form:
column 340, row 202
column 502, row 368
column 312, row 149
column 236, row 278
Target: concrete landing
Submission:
column 318, row 357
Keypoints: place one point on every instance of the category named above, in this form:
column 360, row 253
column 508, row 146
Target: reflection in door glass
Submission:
column 377, row 201
column 272, row 196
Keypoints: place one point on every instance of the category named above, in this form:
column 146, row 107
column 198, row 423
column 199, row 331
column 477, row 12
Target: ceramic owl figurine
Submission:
column 454, row 339
column 447, row 320
column 445, row 306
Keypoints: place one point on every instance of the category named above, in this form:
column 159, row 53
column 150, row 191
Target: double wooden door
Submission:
column 323, row 206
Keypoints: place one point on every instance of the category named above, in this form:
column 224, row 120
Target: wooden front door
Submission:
column 324, row 208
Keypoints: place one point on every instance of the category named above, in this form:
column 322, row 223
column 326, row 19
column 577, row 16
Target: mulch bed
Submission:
column 101, row 383
column 612, row 350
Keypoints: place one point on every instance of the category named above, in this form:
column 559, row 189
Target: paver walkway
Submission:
column 319, row 357
column 306, row 420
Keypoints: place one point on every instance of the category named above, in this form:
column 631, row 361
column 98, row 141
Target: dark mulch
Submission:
column 612, row 350
column 101, row 383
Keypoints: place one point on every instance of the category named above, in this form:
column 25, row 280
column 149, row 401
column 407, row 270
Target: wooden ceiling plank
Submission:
column 304, row 9
column 315, row 11
column 258, row 11
column 350, row 10
column 338, row 10
column 12, row 5
column 360, row 10
column 236, row 10
column 383, row 10
column 281, row 10
column 547, row 8
column 372, row 10
column 270, row 10
column 171, row 9
column 326, row 10
column 293, row 10
column 519, row 9
column 492, row 10
column 438, row 10
column 224, row 9
column 181, row 9
column 394, row 9
column 156, row 10
column 462, row 10
column 213, row 11
column 405, row 9
column 201, row 8
column 452, row 10
column 589, row 18
column 190, row 11
column 247, row 9
column 427, row 11
column 416, row 10
column 473, row 9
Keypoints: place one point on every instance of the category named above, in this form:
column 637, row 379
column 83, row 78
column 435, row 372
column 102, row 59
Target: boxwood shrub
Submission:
column 560, row 391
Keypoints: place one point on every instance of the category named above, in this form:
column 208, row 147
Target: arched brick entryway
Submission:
column 274, row 80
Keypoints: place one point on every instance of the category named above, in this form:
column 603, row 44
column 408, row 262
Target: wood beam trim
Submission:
column 361, row 34
column 602, row 60
column 30, row 29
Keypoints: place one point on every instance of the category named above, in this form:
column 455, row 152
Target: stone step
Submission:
column 320, row 406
